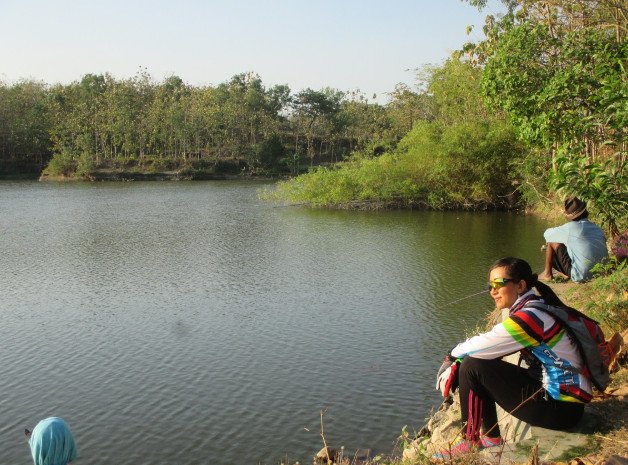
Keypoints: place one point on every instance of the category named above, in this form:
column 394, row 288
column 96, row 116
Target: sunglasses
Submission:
column 498, row 283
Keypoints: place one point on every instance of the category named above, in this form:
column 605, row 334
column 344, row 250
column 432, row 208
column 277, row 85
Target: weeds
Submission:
column 605, row 298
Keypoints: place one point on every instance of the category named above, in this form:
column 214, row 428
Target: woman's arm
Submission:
column 493, row 344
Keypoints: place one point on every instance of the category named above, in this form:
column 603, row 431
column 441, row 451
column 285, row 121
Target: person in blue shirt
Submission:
column 575, row 247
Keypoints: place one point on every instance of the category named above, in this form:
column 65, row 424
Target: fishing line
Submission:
column 440, row 307
column 463, row 298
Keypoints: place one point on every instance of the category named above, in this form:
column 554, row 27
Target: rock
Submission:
column 416, row 448
column 444, row 426
column 326, row 456
column 621, row 392
column 616, row 460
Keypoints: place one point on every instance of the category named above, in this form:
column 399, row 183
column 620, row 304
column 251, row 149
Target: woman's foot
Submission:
column 464, row 446
column 490, row 442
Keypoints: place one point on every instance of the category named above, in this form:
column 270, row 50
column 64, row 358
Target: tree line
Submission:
column 241, row 124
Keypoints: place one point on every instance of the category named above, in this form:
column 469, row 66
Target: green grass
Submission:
column 604, row 298
column 579, row 451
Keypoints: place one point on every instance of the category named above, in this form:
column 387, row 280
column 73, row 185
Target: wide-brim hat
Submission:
column 574, row 207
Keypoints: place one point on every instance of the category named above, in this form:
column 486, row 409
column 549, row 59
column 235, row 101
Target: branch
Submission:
column 323, row 437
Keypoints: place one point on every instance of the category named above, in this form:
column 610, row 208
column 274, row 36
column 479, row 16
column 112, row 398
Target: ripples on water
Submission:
column 190, row 323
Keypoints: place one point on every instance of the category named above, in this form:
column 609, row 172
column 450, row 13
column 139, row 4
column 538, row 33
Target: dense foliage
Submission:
column 138, row 124
column 557, row 68
column 24, row 127
column 455, row 155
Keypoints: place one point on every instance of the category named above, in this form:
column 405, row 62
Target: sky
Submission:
column 370, row 45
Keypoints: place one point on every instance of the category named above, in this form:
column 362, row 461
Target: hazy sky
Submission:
column 348, row 44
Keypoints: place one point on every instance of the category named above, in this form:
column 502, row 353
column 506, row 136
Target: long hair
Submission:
column 519, row 269
column 52, row 442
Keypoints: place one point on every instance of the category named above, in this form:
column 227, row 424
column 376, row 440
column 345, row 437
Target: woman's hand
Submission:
column 446, row 364
column 447, row 377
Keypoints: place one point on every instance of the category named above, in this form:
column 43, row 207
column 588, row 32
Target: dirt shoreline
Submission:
column 178, row 175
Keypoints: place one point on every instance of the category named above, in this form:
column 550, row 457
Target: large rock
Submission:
column 443, row 428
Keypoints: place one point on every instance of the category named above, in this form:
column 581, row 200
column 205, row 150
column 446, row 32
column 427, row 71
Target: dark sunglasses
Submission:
column 498, row 283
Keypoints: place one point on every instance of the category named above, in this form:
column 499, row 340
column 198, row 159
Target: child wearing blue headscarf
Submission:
column 52, row 443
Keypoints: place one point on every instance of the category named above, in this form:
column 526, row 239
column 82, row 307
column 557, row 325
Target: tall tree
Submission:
column 316, row 114
column 24, row 125
column 558, row 69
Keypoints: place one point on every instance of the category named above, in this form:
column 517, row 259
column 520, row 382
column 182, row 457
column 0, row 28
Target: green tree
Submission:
column 462, row 156
column 407, row 107
column 24, row 124
column 558, row 69
column 468, row 151
column 366, row 126
column 316, row 117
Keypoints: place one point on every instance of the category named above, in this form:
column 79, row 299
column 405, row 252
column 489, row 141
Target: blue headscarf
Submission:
column 52, row 443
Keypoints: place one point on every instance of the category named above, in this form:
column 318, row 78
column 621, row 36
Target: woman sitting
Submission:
column 52, row 442
column 550, row 393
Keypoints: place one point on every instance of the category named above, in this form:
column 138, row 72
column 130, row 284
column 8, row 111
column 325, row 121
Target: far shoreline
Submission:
column 175, row 175
column 117, row 175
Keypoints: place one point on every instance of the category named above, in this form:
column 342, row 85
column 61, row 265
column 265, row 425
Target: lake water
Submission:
column 191, row 323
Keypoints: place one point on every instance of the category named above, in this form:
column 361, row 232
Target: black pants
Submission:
column 483, row 383
column 561, row 260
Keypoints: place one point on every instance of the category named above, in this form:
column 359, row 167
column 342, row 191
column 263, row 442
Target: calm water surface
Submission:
column 191, row 323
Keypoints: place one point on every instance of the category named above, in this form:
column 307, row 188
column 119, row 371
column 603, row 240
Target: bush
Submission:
column 156, row 164
column 61, row 164
column 85, row 165
column 465, row 157
column 466, row 165
column 122, row 162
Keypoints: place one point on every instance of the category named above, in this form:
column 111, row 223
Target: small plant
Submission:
column 608, row 267
column 404, row 439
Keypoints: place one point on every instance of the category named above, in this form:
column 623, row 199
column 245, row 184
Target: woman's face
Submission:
column 506, row 295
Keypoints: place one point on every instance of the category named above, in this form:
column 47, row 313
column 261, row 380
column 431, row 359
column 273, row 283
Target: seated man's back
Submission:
column 575, row 247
